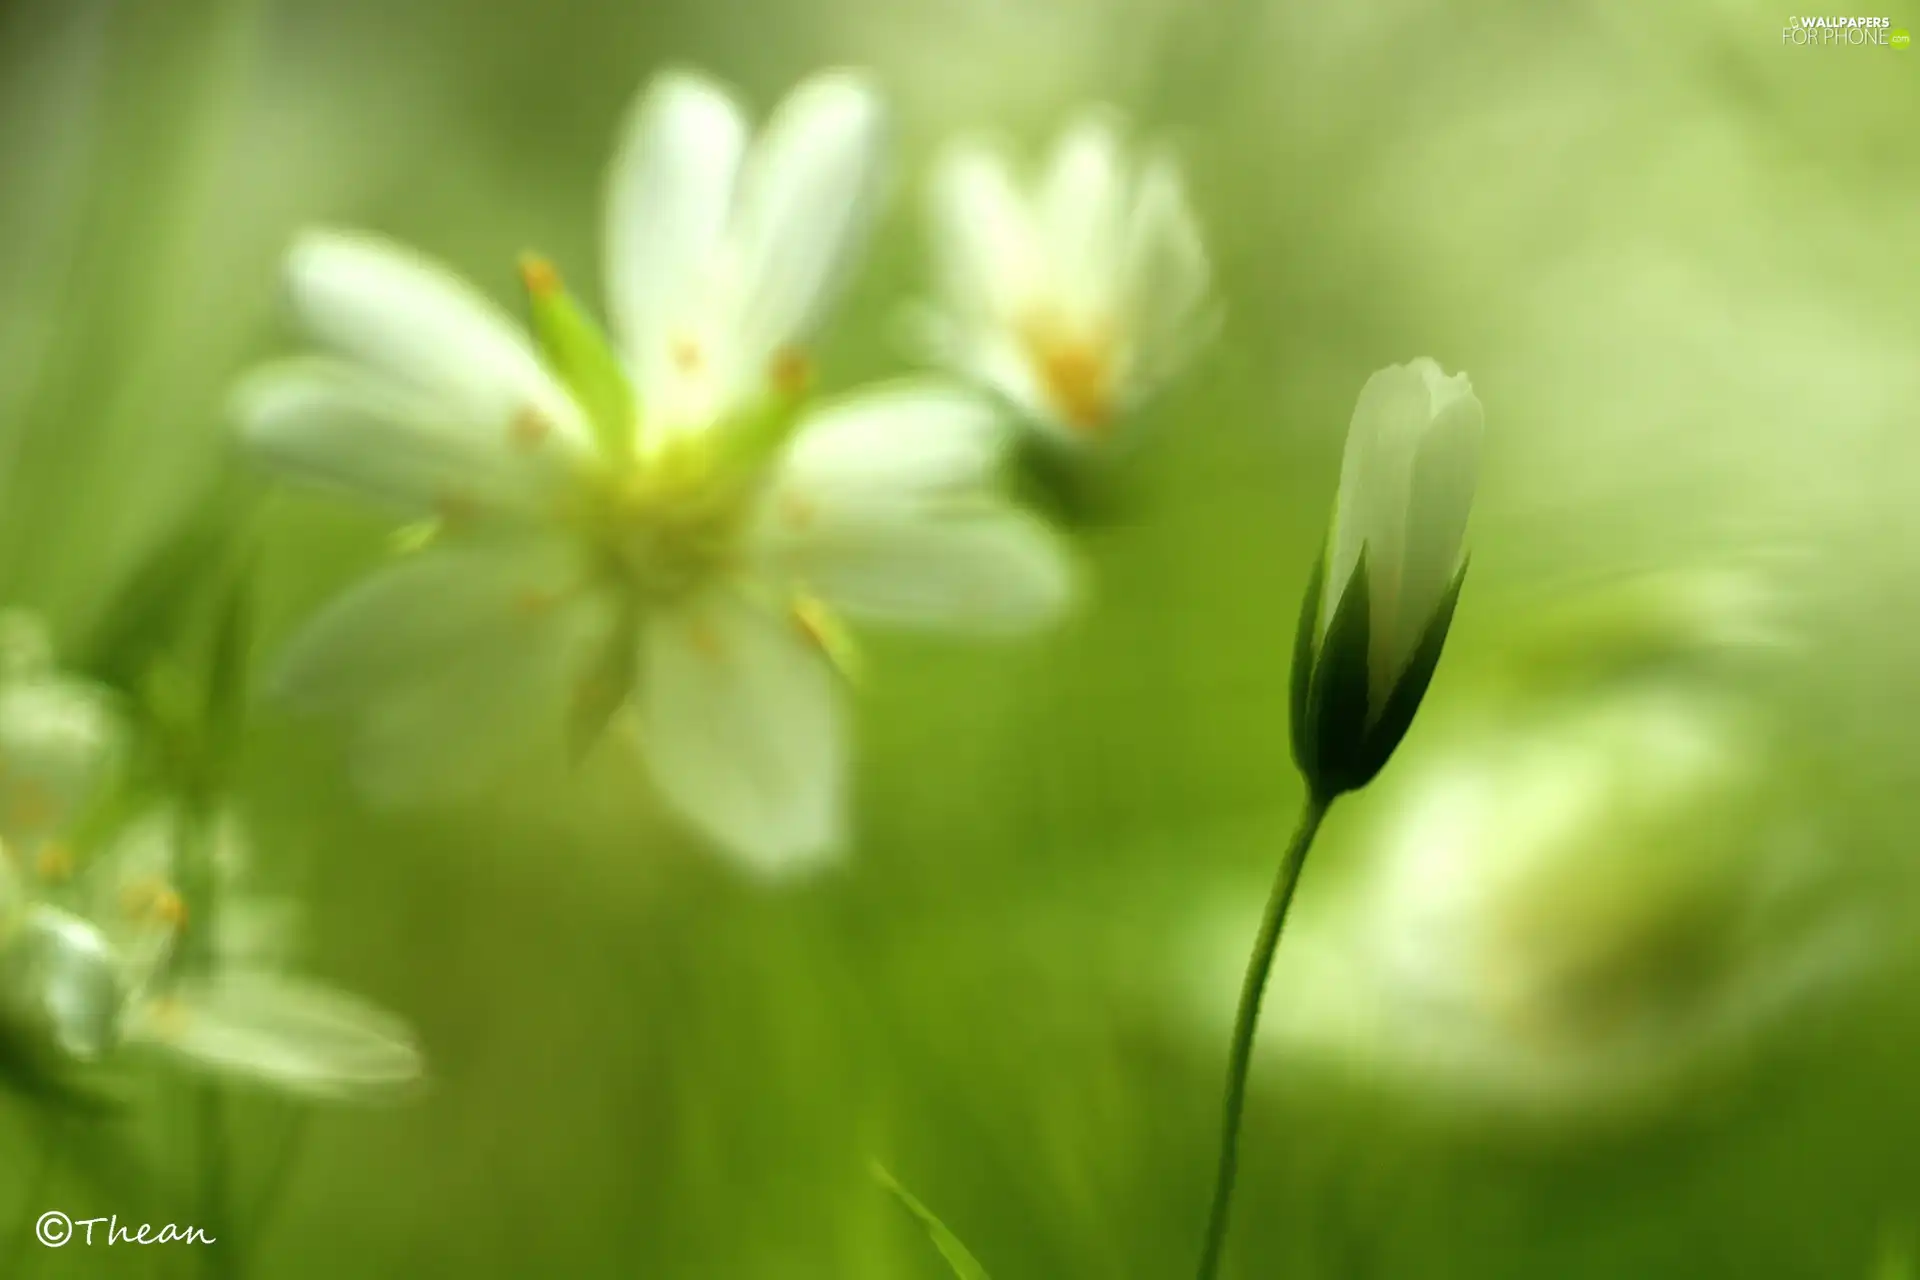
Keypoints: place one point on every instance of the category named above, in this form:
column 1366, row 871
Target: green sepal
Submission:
column 755, row 434
column 1301, row 724
column 607, row 685
column 1410, row 688
column 33, row 1067
column 957, row 1255
column 578, row 351
column 1337, row 708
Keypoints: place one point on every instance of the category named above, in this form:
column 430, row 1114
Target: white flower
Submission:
column 1074, row 301
column 88, row 937
column 1379, row 608
column 651, row 535
column 1575, row 912
column 90, row 963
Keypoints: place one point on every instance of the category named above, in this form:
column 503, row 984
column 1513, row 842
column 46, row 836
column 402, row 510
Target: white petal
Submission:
column 60, row 740
column 296, row 1036
column 904, row 444
column 670, row 196
column 807, row 199
column 423, row 327
column 1446, row 471
column 984, row 241
column 1084, row 208
column 992, row 571
column 740, row 722
column 335, row 426
column 1375, row 474
column 1167, row 273
column 453, row 665
column 883, row 508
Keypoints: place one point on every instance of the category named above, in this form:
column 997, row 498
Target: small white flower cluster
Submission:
column 92, row 916
column 655, row 534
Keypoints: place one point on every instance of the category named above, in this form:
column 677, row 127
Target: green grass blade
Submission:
column 964, row 1264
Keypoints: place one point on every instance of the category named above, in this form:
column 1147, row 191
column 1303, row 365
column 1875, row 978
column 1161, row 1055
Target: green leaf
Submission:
column 579, row 352
column 158, row 598
column 964, row 1264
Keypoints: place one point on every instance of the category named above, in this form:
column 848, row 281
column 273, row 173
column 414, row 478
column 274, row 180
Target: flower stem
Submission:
column 1259, row 964
column 18, row 1262
column 213, row 1199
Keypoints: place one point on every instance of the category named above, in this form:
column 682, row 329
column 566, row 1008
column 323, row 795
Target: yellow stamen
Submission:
column 540, row 277
column 1076, row 367
column 688, row 355
column 170, row 909
column 791, row 372
column 54, row 862
column 529, row 429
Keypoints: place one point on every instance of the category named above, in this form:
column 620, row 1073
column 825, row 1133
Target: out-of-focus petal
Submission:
column 994, row 571
column 335, row 426
column 418, row 324
column 669, row 202
column 740, row 722
column 295, row 1036
column 1167, row 275
column 906, row 444
column 1084, row 207
column 882, row 508
column 984, row 241
column 453, row 664
column 807, row 199
column 60, row 740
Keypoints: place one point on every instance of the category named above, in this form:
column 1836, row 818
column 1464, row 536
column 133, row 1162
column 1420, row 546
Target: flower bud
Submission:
column 1377, row 611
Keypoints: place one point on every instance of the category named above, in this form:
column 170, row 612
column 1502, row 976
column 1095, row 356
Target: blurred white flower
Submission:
column 88, row 938
column 653, row 539
column 1078, row 300
column 1378, row 610
column 93, row 965
column 1568, row 913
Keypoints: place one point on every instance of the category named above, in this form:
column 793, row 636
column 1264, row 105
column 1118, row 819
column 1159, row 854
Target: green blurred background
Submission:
column 1679, row 259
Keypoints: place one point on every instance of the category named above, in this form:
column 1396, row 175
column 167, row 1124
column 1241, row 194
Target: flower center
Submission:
column 1077, row 365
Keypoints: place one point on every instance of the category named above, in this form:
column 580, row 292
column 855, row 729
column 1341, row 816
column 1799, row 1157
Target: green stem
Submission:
column 212, row 1196
column 39, row 1185
column 1259, row 964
